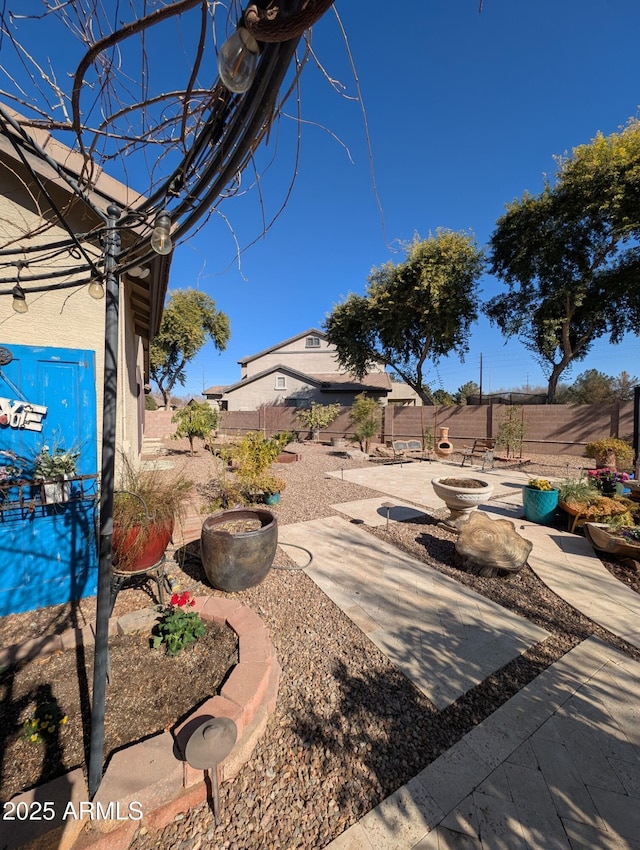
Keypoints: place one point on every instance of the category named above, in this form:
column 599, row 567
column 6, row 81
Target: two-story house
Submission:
column 301, row 370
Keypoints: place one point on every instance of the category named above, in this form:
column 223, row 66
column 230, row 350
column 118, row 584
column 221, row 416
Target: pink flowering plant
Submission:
column 178, row 627
column 605, row 479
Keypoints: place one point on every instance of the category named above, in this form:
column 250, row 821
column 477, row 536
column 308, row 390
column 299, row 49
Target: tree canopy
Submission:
column 594, row 387
column 412, row 313
column 189, row 319
column 570, row 255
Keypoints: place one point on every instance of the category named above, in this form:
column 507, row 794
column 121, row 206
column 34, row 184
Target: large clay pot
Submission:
column 237, row 560
column 129, row 557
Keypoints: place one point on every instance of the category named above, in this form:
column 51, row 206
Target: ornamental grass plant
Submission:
column 145, row 500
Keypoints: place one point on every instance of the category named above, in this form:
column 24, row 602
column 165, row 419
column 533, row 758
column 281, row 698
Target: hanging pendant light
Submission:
column 161, row 236
column 238, row 60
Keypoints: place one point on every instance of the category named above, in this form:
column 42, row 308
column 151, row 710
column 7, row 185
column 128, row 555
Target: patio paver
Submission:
column 558, row 765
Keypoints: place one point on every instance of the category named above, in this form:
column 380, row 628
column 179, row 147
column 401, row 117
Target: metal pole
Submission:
column 103, row 604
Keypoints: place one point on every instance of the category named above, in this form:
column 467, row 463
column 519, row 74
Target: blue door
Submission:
column 48, row 551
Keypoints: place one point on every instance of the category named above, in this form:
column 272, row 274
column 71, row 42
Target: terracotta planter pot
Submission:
column 129, row 556
column 235, row 560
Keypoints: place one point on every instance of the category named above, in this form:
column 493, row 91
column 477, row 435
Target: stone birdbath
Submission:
column 461, row 496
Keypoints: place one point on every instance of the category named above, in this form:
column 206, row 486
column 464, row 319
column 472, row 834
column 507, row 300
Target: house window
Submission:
column 312, row 342
column 281, row 382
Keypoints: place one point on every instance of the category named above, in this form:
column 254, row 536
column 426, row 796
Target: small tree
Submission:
column 511, row 431
column 253, row 455
column 188, row 321
column 413, row 313
column 197, row 419
column 318, row 416
column 466, row 390
column 365, row 416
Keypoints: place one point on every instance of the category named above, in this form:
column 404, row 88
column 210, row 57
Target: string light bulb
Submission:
column 19, row 302
column 238, row 60
column 161, row 236
column 141, row 272
column 96, row 289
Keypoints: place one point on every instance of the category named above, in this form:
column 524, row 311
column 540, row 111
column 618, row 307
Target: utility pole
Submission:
column 480, row 377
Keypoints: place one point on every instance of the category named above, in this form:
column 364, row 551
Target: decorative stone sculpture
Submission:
column 491, row 547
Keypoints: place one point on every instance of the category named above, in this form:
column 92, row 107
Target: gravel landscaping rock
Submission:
column 349, row 728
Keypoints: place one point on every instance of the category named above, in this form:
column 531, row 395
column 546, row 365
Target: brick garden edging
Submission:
column 152, row 772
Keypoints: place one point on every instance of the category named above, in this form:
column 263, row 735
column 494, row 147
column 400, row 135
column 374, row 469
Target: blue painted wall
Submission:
column 49, row 552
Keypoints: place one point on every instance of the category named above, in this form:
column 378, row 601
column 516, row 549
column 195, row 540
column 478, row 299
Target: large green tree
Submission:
column 189, row 319
column 570, row 257
column 412, row 313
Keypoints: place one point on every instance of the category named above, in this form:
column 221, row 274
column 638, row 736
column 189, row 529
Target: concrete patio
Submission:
column 558, row 765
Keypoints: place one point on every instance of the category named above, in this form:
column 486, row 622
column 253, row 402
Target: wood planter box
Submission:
column 605, row 540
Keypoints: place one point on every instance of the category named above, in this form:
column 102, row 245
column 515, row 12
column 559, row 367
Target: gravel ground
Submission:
column 348, row 728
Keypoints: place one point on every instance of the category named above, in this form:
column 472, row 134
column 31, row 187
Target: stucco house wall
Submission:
column 268, row 389
column 298, row 371
column 70, row 318
column 296, row 353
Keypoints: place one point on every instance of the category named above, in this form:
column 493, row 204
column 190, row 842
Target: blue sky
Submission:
column 465, row 112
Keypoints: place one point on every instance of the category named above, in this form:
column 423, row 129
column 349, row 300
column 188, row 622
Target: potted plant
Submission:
column 540, row 500
column 581, row 500
column 52, row 470
column 146, row 505
column 251, row 458
column 606, row 480
column 611, row 452
column 272, row 487
column 623, row 541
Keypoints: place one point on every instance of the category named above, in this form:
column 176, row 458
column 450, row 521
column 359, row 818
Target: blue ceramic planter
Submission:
column 539, row 505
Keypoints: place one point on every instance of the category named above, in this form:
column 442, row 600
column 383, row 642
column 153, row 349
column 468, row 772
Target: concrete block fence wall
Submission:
column 550, row 429
column 157, row 423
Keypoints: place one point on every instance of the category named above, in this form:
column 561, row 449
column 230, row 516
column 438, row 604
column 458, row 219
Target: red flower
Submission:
column 174, row 599
column 192, row 603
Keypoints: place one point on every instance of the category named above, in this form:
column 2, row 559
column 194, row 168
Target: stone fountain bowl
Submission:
column 462, row 495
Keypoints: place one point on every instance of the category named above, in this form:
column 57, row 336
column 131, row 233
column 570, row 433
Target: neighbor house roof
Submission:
column 310, row 332
column 295, row 373
column 339, row 382
column 327, row 381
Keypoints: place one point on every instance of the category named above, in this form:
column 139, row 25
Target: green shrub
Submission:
column 599, row 449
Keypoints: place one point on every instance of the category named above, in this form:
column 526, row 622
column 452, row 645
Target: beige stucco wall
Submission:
column 264, row 391
column 68, row 318
column 296, row 355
